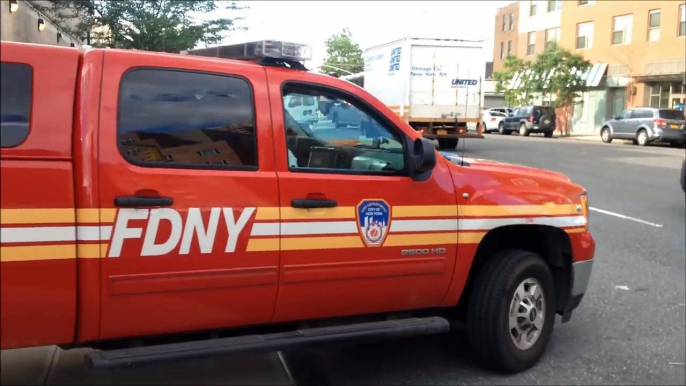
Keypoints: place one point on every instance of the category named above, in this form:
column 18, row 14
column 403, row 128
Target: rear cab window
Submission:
column 184, row 119
column 16, row 83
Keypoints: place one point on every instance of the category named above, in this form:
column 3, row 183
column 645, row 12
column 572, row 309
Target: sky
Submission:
column 370, row 22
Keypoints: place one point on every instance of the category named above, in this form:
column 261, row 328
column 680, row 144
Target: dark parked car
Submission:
column 644, row 125
column 529, row 119
column 683, row 176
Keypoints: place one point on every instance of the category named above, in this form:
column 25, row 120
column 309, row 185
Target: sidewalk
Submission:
column 579, row 137
column 53, row 366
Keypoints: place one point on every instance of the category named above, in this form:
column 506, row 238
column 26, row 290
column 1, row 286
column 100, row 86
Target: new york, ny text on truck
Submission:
column 163, row 206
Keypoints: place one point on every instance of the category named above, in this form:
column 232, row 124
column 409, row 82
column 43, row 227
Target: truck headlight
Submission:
column 584, row 209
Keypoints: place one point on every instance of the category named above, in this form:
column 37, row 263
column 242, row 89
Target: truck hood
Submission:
column 503, row 167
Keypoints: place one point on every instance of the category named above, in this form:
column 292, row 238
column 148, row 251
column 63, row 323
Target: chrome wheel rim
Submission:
column 605, row 135
column 527, row 314
column 642, row 137
column 522, row 130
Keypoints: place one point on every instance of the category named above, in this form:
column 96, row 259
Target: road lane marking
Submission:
column 626, row 217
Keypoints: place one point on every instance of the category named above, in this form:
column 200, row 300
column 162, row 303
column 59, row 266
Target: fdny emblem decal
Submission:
column 373, row 221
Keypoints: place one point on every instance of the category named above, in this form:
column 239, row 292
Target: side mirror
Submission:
column 510, row 114
column 423, row 159
column 617, row 117
column 324, row 107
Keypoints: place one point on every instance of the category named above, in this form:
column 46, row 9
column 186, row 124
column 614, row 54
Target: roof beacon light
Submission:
column 258, row 50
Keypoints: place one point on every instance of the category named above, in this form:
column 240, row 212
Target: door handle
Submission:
column 136, row 201
column 306, row 203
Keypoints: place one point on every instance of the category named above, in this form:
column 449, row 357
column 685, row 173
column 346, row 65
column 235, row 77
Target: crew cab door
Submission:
column 186, row 166
column 358, row 235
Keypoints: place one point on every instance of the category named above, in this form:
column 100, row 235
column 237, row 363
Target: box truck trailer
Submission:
column 435, row 85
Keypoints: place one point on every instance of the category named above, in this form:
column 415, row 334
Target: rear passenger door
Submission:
column 186, row 168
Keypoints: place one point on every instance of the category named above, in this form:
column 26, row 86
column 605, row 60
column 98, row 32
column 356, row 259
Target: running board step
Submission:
column 361, row 332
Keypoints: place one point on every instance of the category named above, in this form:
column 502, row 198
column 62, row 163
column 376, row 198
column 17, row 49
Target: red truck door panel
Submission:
column 190, row 130
column 388, row 244
column 38, row 234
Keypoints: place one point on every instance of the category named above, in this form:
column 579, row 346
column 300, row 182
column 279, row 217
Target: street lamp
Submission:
column 41, row 24
column 14, row 5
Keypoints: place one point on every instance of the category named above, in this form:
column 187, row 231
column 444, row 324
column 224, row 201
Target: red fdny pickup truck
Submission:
column 163, row 206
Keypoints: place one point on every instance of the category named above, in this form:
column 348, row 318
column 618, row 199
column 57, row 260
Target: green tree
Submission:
column 342, row 54
column 558, row 74
column 513, row 66
column 151, row 25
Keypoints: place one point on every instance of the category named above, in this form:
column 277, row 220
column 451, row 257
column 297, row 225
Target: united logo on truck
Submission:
column 373, row 219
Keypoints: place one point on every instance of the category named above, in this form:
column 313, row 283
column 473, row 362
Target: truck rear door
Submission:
column 38, row 233
column 186, row 167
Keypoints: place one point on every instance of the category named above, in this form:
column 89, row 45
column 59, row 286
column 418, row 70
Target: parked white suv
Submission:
column 490, row 119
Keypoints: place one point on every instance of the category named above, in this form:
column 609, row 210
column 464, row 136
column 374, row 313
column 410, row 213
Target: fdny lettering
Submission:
column 180, row 232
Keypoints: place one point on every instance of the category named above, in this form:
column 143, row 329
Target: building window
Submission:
column 15, row 103
column 584, row 35
column 654, row 25
column 621, row 29
column 509, row 47
column 511, row 21
column 554, row 5
column 532, row 8
column 531, row 46
column 586, row 2
column 682, row 20
column 552, row 37
column 504, row 22
column 502, row 50
column 378, row 147
column 185, row 119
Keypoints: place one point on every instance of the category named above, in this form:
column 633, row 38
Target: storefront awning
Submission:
column 593, row 75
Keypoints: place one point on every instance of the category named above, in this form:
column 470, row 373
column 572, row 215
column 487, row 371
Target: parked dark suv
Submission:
column 529, row 119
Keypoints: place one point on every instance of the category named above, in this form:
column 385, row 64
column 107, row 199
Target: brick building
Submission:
column 506, row 35
column 638, row 51
column 20, row 21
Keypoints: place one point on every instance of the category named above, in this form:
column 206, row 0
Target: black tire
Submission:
column 523, row 131
column 605, row 135
column 502, row 131
column 447, row 143
column 484, row 130
column 545, row 122
column 489, row 306
column 642, row 138
column 549, row 133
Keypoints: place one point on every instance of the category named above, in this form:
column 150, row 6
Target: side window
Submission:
column 339, row 136
column 626, row 114
column 16, row 81
column 170, row 118
column 515, row 112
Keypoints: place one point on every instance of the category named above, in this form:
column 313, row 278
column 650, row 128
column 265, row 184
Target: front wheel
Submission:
column 605, row 135
column 502, row 131
column 548, row 134
column 511, row 311
column 484, row 129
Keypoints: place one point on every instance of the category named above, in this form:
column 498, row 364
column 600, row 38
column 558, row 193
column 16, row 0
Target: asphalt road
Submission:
column 629, row 329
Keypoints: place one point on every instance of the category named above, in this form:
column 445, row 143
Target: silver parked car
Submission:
column 644, row 125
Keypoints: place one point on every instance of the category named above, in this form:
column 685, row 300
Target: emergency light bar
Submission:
column 258, row 50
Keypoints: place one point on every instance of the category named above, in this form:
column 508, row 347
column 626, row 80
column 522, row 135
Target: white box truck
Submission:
column 435, row 85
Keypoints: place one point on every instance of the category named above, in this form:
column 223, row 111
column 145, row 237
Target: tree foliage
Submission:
column 556, row 73
column 342, row 54
column 151, row 25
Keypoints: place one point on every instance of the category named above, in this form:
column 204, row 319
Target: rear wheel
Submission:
column 642, row 138
column 523, row 131
column 548, row 134
column 484, row 129
column 511, row 311
column 447, row 143
column 605, row 135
